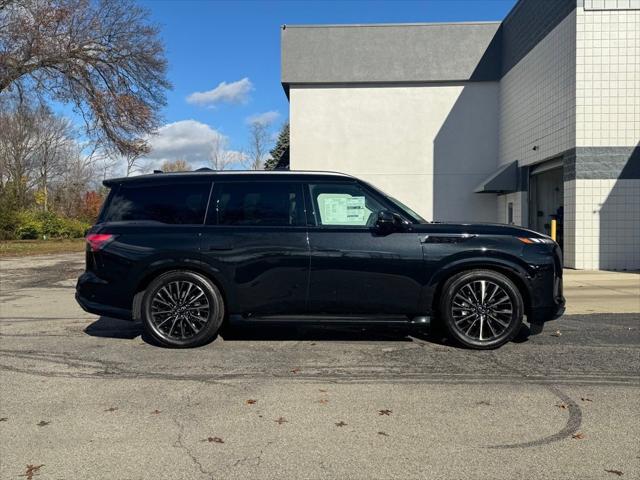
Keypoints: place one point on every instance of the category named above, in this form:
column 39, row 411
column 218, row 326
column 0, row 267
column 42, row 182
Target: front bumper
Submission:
column 546, row 314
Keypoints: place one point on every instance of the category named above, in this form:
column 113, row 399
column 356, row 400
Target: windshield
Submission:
column 401, row 206
column 409, row 211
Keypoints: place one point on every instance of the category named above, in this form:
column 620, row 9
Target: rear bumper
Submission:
column 88, row 295
column 102, row 310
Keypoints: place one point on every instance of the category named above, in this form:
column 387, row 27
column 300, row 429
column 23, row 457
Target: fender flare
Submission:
column 513, row 267
column 158, row 267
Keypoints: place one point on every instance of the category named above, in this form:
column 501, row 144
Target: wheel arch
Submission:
column 155, row 270
column 512, row 270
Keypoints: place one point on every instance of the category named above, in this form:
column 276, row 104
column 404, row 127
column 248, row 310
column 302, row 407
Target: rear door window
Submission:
column 174, row 203
column 266, row 204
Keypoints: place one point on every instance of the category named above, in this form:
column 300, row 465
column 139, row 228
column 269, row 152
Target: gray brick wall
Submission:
column 528, row 23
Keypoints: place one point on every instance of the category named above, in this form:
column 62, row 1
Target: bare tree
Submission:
column 104, row 163
column 18, row 145
column 221, row 158
column 258, row 146
column 101, row 56
column 75, row 180
column 179, row 165
column 133, row 157
column 54, row 136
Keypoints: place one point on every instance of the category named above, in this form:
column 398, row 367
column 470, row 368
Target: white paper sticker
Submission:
column 344, row 210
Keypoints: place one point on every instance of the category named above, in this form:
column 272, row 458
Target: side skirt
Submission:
column 330, row 319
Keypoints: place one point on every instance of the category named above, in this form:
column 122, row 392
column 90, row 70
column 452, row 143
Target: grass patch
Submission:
column 19, row 248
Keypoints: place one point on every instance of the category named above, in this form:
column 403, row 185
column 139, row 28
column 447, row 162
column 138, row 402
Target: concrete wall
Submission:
column 608, row 78
column 517, row 198
column 602, row 185
column 429, row 145
column 537, row 99
column 315, row 54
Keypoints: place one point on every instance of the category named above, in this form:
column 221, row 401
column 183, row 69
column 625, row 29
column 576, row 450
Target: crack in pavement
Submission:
column 180, row 444
column 258, row 458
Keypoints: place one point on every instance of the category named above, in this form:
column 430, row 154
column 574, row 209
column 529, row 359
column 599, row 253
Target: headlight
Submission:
column 530, row 240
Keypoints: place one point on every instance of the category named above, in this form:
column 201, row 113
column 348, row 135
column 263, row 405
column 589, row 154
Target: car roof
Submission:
column 229, row 174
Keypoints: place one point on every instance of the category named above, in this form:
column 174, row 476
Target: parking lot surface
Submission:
column 88, row 397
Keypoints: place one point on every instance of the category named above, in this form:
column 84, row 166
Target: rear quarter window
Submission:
column 174, row 203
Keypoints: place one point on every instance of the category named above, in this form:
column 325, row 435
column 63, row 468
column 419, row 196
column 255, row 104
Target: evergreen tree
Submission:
column 279, row 159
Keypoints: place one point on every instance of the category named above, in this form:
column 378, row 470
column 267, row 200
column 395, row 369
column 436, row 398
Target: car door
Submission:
column 355, row 268
column 256, row 238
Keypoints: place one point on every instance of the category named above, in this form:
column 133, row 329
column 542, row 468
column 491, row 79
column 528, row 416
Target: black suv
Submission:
column 184, row 251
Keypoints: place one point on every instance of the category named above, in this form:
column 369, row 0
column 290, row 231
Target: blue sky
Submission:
column 238, row 43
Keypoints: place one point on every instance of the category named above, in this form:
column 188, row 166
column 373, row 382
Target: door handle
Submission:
column 214, row 248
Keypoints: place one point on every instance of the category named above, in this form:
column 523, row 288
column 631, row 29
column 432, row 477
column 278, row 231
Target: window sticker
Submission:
column 342, row 210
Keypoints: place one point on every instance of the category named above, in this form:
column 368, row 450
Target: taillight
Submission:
column 97, row 241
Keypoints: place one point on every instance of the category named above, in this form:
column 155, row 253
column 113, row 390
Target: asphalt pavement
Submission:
column 88, row 397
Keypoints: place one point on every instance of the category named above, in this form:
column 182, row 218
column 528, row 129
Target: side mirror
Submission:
column 388, row 221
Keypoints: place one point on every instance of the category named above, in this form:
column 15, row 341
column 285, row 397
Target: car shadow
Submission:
column 107, row 327
column 310, row 332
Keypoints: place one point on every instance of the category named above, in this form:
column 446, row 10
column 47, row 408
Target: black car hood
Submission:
column 476, row 228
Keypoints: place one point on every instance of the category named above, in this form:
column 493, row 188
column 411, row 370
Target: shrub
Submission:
column 29, row 230
column 33, row 225
column 8, row 223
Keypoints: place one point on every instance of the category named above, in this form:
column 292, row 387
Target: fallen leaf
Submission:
column 3, row 419
column 250, row 402
column 295, row 370
column 385, row 412
column 615, row 472
column 213, row 440
column 322, row 391
column 42, row 423
column 483, row 402
column 340, row 424
column 31, row 471
column 281, row 420
column 561, row 405
column 384, row 434
column 111, row 409
column 578, row 436
column 585, row 399
column 155, row 412
column 557, row 333
column 323, row 401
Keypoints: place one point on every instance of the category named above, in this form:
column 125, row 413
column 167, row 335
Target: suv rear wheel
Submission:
column 481, row 309
column 182, row 309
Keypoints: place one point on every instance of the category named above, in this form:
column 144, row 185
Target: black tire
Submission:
column 192, row 321
column 484, row 322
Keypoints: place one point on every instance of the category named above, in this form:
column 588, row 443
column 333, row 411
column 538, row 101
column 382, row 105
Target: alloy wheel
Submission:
column 482, row 310
column 179, row 310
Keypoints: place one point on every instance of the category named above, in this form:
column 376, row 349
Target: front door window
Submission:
column 344, row 205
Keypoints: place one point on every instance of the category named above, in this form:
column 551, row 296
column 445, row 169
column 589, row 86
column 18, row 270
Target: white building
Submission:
column 515, row 121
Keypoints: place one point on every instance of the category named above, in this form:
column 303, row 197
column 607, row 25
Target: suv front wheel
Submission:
column 182, row 309
column 481, row 309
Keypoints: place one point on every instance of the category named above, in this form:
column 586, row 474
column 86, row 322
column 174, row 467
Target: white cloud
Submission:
column 189, row 140
column 266, row 118
column 234, row 92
